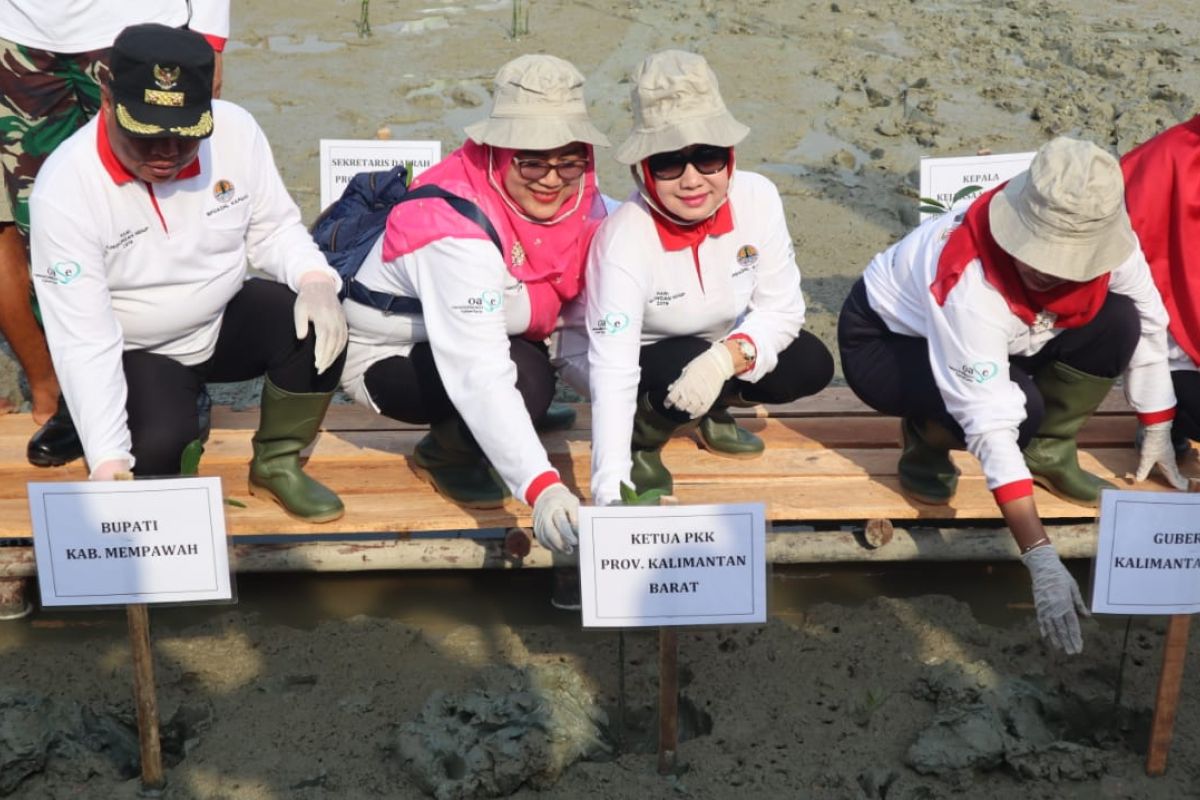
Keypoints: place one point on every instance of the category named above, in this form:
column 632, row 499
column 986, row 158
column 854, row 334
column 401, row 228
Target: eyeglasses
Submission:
column 707, row 159
column 534, row 169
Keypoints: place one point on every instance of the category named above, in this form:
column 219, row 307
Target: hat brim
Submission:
column 721, row 130
column 529, row 133
column 145, row 121
column 1072, row 258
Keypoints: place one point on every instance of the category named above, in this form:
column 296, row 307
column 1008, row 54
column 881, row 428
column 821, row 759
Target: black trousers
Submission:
column 411, row 390
column 805, row 367
column 1187, row 397
column 257, row 338
column 891, row 373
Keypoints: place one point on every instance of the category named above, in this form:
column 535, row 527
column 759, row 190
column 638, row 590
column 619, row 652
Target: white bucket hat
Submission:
column 676, row 103
column 538, row 105
column 1065, row 216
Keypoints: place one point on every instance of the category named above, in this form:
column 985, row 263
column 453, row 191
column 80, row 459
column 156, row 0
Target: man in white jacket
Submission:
column 143, row 223
column 53, row 54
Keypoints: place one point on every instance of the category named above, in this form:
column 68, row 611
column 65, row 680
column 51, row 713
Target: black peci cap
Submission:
column 162, row 81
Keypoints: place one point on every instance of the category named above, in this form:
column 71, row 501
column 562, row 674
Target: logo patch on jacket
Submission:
column 747, row 255
column 223, row 190
column 61, row 273
column 611, row 323
column 485, row 302
column 979, row 372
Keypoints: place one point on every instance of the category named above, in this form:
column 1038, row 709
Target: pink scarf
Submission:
column 547, row 257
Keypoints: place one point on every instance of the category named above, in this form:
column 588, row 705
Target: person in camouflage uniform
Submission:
column 44, row 98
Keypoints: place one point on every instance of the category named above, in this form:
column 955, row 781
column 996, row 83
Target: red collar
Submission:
column 1073, row 304
column 675, row 236
column 116, row 170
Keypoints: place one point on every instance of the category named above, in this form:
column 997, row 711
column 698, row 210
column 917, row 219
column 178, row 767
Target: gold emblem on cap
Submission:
column 203, row 126
column 126, row 121
column 166, row 77
column 154, row 97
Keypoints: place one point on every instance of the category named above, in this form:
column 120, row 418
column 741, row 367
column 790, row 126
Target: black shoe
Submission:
column 56, row 443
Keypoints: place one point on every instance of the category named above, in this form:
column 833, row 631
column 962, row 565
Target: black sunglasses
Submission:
column 706, row 158
column 534, row 169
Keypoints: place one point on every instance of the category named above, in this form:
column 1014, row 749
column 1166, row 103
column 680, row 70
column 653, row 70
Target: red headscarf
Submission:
column 547, row 256
column 1074, row 304
column 675, row 233
column 1162, row 193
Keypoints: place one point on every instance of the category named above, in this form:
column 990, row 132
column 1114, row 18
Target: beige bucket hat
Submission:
column 1065, row 216
column 538, row 105
column 676, row 103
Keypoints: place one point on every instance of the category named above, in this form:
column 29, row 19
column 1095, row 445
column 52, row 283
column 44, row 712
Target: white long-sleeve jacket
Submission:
column 973, row 334
column 119, row 264
column 470, row 306
column 638, row 293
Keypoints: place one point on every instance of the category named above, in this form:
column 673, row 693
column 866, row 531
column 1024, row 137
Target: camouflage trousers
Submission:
column 44, row 98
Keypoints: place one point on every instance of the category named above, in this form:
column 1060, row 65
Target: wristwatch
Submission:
column 747, row 349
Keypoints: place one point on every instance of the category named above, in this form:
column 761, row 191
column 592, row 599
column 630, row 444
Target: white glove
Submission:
column 1157, row 450
column 317, row 302
column 111, row 470
column 556, row 519
column 1056, row 598
column 696, row 389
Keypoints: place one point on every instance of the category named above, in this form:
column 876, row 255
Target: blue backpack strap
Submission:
column 392, row 304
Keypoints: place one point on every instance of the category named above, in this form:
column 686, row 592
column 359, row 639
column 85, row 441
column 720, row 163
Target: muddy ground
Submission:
column 874, row 693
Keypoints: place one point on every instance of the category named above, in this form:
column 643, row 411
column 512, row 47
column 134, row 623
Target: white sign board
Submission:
column 672, row 565
column 1148, row 554
column 942, row 178
column 120, row 542
column 342, row 159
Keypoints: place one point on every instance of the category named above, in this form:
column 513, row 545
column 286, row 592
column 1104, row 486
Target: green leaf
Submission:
column 236, row 503
column 650, row 497
column 929, row 201
column 932, row 210
column 189, row 462
column 966, row 191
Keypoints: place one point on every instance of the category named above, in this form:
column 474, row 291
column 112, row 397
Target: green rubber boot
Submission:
column 287, row 424
column 926, row 472
column 651, row 430
column 720, row 434
column 558, row 417
column 449, row 458
column 1070, row 397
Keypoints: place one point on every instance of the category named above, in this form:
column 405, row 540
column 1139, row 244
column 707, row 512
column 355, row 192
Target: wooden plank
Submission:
column 811, row 434
column 835, row 401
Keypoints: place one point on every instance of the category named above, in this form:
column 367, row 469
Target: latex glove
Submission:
column 317, row 302
column 556, row 519
column 111, row 470
column 1157, row 450
column 696, row 389
column 1056, row 598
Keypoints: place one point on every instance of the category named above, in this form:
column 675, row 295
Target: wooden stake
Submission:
column 1166, row 704
column 145, row 696
column 145, row 692
column 668, row 699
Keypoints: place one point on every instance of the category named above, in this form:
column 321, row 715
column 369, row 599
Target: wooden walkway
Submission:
column 828, row 459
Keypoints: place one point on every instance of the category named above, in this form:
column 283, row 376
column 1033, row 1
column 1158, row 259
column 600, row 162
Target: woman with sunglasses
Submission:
column 489, row 270
column 693, row 293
